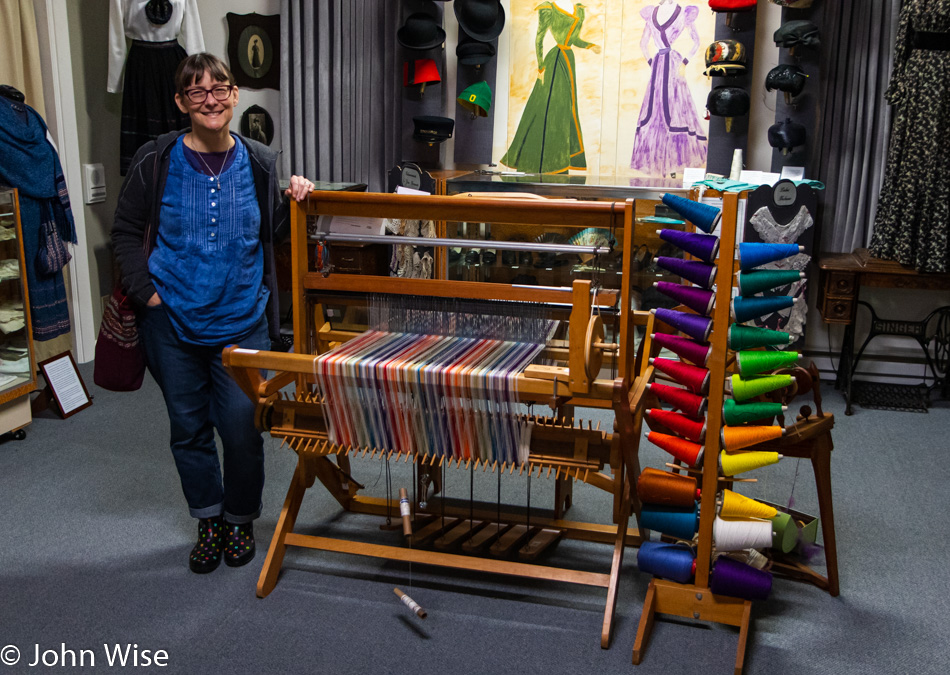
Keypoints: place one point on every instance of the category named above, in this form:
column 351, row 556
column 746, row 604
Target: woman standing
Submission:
column 669, row 132
column 194, row 237
column 549, row 138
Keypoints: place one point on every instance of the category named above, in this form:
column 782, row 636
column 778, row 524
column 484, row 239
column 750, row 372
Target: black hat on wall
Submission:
column 420, row 31
column 432, row 129
column 472, row 52
column 786, row 77
column 786, row 136
column 482, row 19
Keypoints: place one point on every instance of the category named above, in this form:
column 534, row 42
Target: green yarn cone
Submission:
column 784, row 532
column 734, row 413
column 749, row 337
column 752, row 363
column 743, row 389
column 758, row 281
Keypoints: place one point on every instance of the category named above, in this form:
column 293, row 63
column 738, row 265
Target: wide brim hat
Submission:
column 432, row 129
column 472, row 52
column 420, row 31
column 794, row 33
column 786, row 135
column 786, row 77
column 732, row 5
column 482, row 19
column 420, row 71
column 725, row 57
column 728, row 102
column 476, row 98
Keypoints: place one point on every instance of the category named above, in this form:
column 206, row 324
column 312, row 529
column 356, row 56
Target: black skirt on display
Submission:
column 148, row 102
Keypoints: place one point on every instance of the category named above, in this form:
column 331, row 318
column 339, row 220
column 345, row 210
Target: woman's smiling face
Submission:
column 211, row 114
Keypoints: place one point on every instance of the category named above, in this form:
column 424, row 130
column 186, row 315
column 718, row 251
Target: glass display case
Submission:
column 17, row 365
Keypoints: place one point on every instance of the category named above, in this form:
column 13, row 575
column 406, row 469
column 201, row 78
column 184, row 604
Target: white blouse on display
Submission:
column 127, row 19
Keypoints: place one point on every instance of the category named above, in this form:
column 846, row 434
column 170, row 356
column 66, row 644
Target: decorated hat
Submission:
column 482, row 19
column 472, row 52
column 732, row 5
column 477, row 99
column 786, row 136
column 795, row 33
column 794, row 4
column 728, row 102
column 725, row 57
column 786, row 77
column 420, row 71
column 432, row 129
column 420, row 31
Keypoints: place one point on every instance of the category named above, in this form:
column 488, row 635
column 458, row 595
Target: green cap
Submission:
column 476, row 98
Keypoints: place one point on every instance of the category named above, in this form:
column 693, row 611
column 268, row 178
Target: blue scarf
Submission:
column 31, row 165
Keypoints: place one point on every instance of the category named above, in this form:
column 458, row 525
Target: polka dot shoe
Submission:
column 238, row 544
column 206, row 555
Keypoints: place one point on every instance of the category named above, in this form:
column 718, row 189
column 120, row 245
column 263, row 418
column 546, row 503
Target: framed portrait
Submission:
column 254, row 50
column 256, row 123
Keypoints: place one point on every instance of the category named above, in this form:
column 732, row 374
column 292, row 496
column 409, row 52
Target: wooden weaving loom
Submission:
column 559, row 447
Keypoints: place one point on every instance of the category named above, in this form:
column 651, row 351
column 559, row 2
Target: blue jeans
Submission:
column 200, row 397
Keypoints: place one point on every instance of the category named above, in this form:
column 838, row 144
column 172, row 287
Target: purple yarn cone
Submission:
column 683, row 347
column 697, row 327
column 703, row 246
column 738, row 580
column 697, row 299
column 753, row 254
column 746, row 309
column 699, row 273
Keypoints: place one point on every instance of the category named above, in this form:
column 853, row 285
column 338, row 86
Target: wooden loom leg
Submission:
column 743, row 638
column 821, row 463
column 607, row 631
column 285, row 525
column 646, row 624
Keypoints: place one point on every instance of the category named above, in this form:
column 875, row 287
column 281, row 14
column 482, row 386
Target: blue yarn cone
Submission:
column 675, row 522
column 754, row 254
column 704, row 216
column 746, row 309
column 669, row 561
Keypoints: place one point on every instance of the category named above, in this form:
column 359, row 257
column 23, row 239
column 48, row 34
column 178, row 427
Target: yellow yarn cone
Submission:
column 736, row 438
column 735, row 505
column 746, row 461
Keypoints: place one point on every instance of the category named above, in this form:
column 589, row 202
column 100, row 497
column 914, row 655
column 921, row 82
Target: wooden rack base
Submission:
column 692, row 602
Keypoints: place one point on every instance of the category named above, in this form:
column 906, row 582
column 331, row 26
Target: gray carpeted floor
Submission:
column 95, row 537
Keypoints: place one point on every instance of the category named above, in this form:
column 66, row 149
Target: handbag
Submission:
column 120, row 356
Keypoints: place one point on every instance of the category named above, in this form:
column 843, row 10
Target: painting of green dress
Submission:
column 549, row 137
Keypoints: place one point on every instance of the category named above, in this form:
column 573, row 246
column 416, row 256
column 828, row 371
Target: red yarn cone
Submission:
column 687, row 427
column 691, row 404
column 694, row 377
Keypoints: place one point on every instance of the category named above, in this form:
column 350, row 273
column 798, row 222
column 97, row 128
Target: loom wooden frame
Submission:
column 565, row 387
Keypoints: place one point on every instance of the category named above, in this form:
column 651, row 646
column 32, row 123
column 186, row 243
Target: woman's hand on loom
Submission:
column 299, row 188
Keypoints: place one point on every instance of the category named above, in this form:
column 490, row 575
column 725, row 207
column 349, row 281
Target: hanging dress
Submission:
column 148, row 102
column 549, row 138
column 913, row 214
column 670, row 132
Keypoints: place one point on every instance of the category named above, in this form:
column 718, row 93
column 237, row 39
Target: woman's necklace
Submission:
column 215, row 176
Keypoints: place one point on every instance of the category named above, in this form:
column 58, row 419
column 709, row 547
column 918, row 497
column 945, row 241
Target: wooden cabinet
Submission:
column 17, row 362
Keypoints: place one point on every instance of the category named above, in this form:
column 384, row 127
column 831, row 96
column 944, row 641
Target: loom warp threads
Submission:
column 759, row 281
column 693, row 405
column 735, row 505
column 754, row 254
column 739, row 413
column 753, row 363
column 676, row 562
column 666, row 489
column 745, row 388
column 684, row 425
column 750, row 337
column 738, row 580
column 697, row 299
column 703, row 246
column 684, row 348
column 700, row 273
column 683, row 450
column 694, row 378
column 697, row 327
column 736, row 535
column 740, row 462
column 737, row 438
column 703, row 216
column 672, row 521
column 747, row 309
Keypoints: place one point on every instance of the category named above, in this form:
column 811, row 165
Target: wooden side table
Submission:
column 842, row 275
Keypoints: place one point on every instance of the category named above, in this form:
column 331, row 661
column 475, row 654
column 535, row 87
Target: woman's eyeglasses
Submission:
column 199, row 95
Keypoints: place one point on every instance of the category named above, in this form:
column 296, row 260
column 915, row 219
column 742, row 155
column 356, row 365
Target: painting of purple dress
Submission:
column 670, row 132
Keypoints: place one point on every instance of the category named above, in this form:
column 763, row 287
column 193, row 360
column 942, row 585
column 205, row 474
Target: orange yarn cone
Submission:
column 683, row 450
column 736, row 438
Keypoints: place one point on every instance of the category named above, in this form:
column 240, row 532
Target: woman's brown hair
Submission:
column 194, row 67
